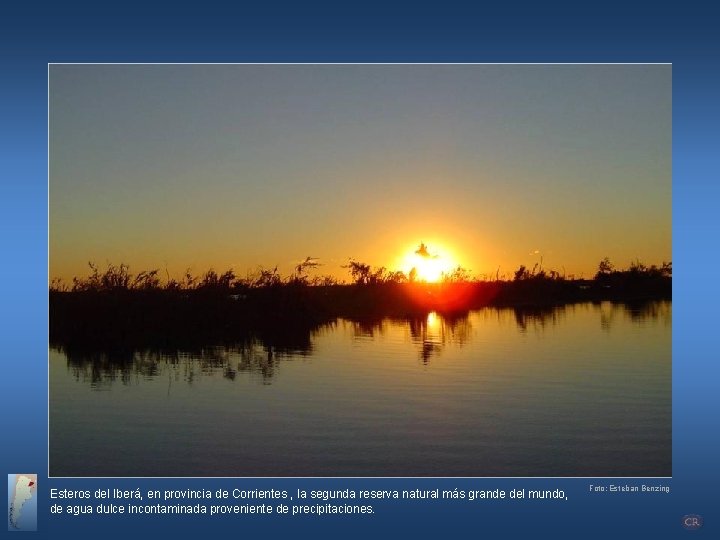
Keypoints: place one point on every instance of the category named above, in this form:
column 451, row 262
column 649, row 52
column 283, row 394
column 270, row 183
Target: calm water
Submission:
column 584, row 390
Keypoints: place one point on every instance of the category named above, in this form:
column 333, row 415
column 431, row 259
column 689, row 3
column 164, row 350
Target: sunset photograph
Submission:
column 360, row 270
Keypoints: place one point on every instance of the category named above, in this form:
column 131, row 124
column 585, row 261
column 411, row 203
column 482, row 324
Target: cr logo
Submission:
column 692, row 522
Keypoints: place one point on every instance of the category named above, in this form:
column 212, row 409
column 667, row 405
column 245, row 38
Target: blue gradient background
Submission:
column 315, row 33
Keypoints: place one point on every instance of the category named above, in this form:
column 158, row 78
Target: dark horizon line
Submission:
column 120, row 277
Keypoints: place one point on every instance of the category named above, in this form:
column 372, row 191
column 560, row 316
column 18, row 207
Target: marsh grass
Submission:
column 121, row 309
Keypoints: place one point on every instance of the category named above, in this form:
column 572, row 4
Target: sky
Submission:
column 239, row 166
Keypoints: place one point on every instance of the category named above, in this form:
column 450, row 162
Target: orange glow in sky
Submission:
column 187, row 167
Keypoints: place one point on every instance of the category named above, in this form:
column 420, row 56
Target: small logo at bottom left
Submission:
column 22, row 502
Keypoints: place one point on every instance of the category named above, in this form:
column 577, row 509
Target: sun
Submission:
column 428, row 262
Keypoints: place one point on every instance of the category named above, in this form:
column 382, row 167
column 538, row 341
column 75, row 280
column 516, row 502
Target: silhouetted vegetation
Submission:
column 125, row 310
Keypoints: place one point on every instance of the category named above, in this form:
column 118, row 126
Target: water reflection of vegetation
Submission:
column 103, row 368
column 638, row 312
column 430, row 332
column 262, row 354
column 538, row 318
